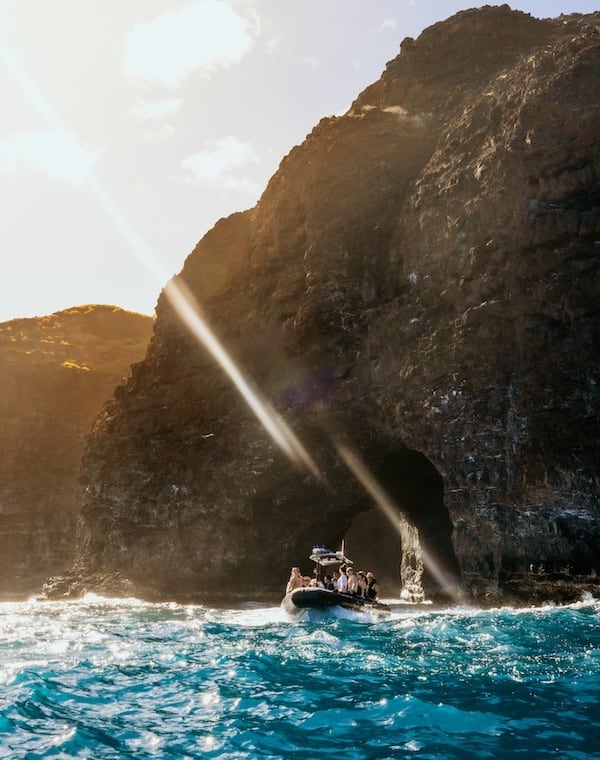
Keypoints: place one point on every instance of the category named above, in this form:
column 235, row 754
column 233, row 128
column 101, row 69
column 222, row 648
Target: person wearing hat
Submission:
column 362, row 583
column 372, row 587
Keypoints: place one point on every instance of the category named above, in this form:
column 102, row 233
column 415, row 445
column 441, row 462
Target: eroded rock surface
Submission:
column 416, row 291
column 57, row 372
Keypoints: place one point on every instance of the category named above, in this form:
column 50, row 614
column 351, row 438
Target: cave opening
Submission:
column 411, row 549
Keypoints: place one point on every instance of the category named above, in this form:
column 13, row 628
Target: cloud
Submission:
column 311, row 62
column 389, row 23
column 200, row 36
column 160, row 134
column 58, row 154
column 275, row 44
column 217, row 165
column 158, row 109
column 152, row 113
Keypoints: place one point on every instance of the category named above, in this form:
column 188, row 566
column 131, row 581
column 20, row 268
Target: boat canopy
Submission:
column 324, row 557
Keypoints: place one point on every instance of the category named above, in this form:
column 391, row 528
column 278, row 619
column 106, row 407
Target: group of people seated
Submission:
column 345, row 581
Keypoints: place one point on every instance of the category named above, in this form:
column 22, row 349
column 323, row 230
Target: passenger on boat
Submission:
column 372, row 587
column 316, row 580
column 335, row 580
column 352, row 582
column 362, row 583
column 342, row 584
column 295, row 581
column 328, row 583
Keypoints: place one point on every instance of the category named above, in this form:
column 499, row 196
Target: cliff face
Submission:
column 57, row 372
column 416, row 293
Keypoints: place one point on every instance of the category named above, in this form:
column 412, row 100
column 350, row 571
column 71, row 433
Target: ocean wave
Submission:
column 125, row 678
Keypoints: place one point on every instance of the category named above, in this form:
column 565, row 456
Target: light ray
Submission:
column 188, row 309
column 33, row 94
column 391, row 510
column 186, row 306
column 137, row 244
column 176, row 291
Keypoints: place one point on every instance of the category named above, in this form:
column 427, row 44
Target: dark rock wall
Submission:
column 57, row 372
column 418, row 281
column 515, row 178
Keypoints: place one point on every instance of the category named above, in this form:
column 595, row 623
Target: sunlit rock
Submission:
column 57, row 371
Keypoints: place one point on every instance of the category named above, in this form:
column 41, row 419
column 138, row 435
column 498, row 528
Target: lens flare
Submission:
column 33, row 94
column 188, row 309
column 176, row 291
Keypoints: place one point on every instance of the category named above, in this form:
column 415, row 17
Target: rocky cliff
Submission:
column 57, row 372
column 416, row 293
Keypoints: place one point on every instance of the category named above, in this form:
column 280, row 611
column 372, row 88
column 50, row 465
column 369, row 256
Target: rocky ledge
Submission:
column 416, row 295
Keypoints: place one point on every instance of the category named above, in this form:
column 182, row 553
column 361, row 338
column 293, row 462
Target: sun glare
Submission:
column 178, row 294
column 188, row 310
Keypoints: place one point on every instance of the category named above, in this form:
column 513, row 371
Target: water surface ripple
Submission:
column 126, row 679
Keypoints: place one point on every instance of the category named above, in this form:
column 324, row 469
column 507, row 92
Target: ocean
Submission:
column 101, row 678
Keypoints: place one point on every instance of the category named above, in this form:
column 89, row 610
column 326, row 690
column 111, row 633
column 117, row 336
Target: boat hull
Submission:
column 310, row 599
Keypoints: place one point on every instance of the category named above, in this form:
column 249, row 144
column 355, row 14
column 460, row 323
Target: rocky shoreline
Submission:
column 519, row 590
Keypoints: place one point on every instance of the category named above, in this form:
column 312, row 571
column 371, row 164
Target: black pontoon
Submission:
column 309, row 598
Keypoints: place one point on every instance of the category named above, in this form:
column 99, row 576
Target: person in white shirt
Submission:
column 342, row 584
column 352, row 581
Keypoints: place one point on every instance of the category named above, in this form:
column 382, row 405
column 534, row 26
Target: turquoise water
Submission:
column 126, row 679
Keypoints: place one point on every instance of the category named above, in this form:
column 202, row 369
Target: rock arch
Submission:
column 414, row 545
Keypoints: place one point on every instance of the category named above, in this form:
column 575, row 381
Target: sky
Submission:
column 129, row 127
